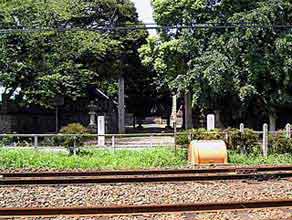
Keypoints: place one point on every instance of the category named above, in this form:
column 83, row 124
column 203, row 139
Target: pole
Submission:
column 288, row 130
column 241, row 129
column 121, row 107
column 174, row 116
column 57, row 119
column 35, row 141
column 265, row 140
column 174, row 131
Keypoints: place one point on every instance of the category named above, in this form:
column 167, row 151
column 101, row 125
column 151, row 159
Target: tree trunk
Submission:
column 188, row 111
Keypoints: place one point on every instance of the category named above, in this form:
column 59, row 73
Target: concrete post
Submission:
column 188, row 111
column 35, row 144
column 265, row 140
column 288, row 130
column 101, row 130
column 121, row 107
column 174, row 108
column 241, row 127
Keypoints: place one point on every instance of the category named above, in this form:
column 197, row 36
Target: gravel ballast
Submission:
column 142, row 193
column 261, row 214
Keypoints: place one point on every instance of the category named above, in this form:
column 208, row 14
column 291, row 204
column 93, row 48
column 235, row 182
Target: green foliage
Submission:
column 182, row 138
column 279, row 143
column 50, row 63
column 199, row 134
column 258, row 159
column 203, row 134
column 246, row 142
column 98, row 159
column 74, row 128
column 240, row 69
column 10, row 140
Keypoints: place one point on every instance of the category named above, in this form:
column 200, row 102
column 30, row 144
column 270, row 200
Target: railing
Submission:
column 115, row 141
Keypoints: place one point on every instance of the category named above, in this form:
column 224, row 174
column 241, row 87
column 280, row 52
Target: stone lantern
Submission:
column 92, row 115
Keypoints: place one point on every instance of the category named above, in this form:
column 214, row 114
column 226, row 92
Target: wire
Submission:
column 151, row 27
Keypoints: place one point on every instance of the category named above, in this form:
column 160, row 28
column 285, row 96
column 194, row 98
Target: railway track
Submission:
column 256, row 173
column 250, row 169
column 143, row 209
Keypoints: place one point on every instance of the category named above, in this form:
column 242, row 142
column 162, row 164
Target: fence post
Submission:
column 151, row 141
column 113, row 142
column 241, row 128
column 288, row 130
column 174, row 135
column 35, row 142
column 242, row 148
column 74, row 145
column 265, row 140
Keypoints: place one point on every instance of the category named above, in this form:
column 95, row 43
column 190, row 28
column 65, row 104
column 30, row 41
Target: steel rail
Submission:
column 250, row 169
column 140, row 179
column 119, row 210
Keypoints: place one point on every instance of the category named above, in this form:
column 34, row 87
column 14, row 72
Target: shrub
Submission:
column 182, row 138
column 279, row 143
column 69, row 141
column 246, row 142
column 10, row 140
column 7, row 140
column 203, row 134
column 198, row 134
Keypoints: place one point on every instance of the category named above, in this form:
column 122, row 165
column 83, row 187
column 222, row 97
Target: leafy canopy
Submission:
column 45, row 64
column 235, row 68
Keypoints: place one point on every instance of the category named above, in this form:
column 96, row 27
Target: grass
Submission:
column 120, row 159
column 256, row 159
column 95, row 159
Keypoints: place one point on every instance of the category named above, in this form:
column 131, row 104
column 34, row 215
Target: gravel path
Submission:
column 267, row 214
column 135, row 194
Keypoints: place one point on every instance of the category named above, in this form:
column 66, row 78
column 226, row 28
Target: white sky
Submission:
column 144, row 10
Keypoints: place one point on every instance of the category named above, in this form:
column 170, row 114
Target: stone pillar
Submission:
column 188, row 111
column 174, row 109
column 210, row 122
column 101, row 130
column 92, row 115
column 121, row 107
column 272, row 121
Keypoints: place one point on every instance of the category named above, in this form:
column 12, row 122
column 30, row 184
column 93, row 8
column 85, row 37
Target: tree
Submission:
column 69, row 55
column 237, row 70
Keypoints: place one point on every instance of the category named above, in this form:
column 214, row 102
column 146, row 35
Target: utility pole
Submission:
column 121, row 106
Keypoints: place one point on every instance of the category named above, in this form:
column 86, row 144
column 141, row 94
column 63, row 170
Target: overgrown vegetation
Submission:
column 257, row 159
column 121, row 159
column 95, row 159
column 244, row 142
column 280, row 143
column 72, row 142
column 198, row 134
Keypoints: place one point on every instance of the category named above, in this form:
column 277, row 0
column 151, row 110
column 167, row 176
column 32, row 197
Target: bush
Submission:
column 182, row 138
column 74, row 128
column 10, row 140
column 246, row 142
column 279, row 143
column 199, row 134
column 203, row 134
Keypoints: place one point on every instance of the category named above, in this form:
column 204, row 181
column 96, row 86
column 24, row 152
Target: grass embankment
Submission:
column 95, row 159
column 120, row 159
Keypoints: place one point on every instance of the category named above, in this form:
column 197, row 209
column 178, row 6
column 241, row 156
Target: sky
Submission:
column 144, row 10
